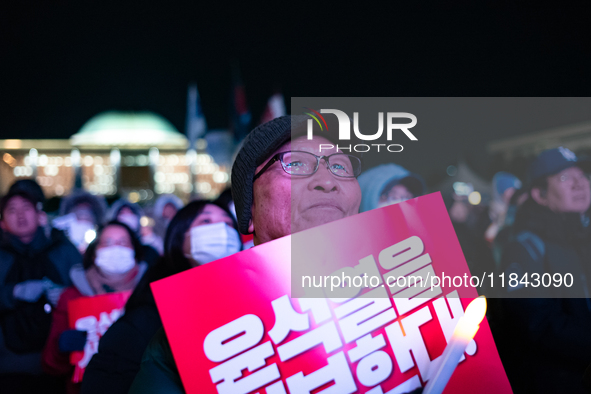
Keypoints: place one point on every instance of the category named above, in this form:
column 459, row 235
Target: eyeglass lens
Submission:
column 304, row 163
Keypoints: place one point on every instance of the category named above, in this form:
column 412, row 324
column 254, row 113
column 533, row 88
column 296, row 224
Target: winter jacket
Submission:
column 113, row 369
column 53, row 360
column 158, row 373
column 545, row 343
column 25, row 326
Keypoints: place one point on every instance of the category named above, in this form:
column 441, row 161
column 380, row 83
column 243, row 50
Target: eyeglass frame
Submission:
column 279, row 157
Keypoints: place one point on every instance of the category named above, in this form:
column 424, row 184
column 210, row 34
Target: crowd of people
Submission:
column 280, row 182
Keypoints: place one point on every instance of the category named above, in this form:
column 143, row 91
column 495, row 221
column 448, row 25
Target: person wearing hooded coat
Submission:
column 165, row 208
column 79, row 213
column 160, row 215
column 388, row 184
column 129, row 213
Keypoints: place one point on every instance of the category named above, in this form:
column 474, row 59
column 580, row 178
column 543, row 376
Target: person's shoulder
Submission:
column 158, row 373
column 525, row 245
column 61, row 244
column 159, row 350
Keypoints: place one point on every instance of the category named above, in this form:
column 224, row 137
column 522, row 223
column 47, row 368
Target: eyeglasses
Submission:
column 570, row 178
column 301, row 163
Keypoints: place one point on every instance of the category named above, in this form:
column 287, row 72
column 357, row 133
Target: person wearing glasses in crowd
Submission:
column 282, row 184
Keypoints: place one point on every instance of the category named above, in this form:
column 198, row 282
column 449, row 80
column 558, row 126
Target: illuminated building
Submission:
column 136, row 155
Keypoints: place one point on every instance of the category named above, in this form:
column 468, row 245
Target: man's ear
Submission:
column 539, row 196
column 3, row 225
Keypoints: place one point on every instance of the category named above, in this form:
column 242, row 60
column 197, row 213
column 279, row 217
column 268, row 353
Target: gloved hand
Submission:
column 30, row 290
column 53, row 294
column 53, row 291
column 72, row 340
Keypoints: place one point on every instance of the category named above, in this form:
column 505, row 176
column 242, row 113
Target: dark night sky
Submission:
column 63, row 61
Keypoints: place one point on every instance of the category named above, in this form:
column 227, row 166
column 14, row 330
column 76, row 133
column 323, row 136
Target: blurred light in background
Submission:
column 474, row 198
column 462, row 188
column 89, row 236
column 452, row 170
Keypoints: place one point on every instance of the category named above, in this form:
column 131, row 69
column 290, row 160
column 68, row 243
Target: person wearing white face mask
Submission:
column 199, row 233
column 112, row 263
column 131, row 214
column 213, row 241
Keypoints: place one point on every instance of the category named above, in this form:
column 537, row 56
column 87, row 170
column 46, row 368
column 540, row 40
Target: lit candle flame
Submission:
column 476, row 310
column 469, row 323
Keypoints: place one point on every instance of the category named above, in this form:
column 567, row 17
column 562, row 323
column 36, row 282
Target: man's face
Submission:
column 284, row 204
column 20, row 218
column 568, row 191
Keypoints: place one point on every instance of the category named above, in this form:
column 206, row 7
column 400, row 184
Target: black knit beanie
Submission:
column 258, row 145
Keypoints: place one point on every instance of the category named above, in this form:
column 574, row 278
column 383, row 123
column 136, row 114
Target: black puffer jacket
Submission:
column 25, row 326
column 545, row 343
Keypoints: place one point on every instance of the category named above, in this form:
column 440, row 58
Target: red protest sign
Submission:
column 93, row 315
column 233, row 327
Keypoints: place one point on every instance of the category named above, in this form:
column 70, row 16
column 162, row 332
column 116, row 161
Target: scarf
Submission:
column 102, row 284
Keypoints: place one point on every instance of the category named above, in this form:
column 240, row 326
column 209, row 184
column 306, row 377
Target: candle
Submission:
column 464, row 332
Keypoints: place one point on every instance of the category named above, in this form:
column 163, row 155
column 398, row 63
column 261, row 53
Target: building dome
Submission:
column 131, row 130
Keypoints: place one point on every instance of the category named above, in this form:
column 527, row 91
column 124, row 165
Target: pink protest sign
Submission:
column 93, row 315
column 233, row 327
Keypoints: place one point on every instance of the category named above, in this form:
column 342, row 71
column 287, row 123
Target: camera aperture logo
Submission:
column 344, row 131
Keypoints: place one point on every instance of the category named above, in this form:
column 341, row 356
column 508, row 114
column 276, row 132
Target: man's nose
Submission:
column 324, row 180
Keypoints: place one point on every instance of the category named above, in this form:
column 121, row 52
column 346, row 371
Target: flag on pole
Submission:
column 196, row 125
column 275, row 108
column 239, row 109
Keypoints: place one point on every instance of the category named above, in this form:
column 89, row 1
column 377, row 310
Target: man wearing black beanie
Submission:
column 283, row 182
column 280, row 185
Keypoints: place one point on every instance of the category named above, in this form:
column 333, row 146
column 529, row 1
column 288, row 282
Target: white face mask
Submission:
column 131, row 220
column 211, row 242
column 115, row 260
